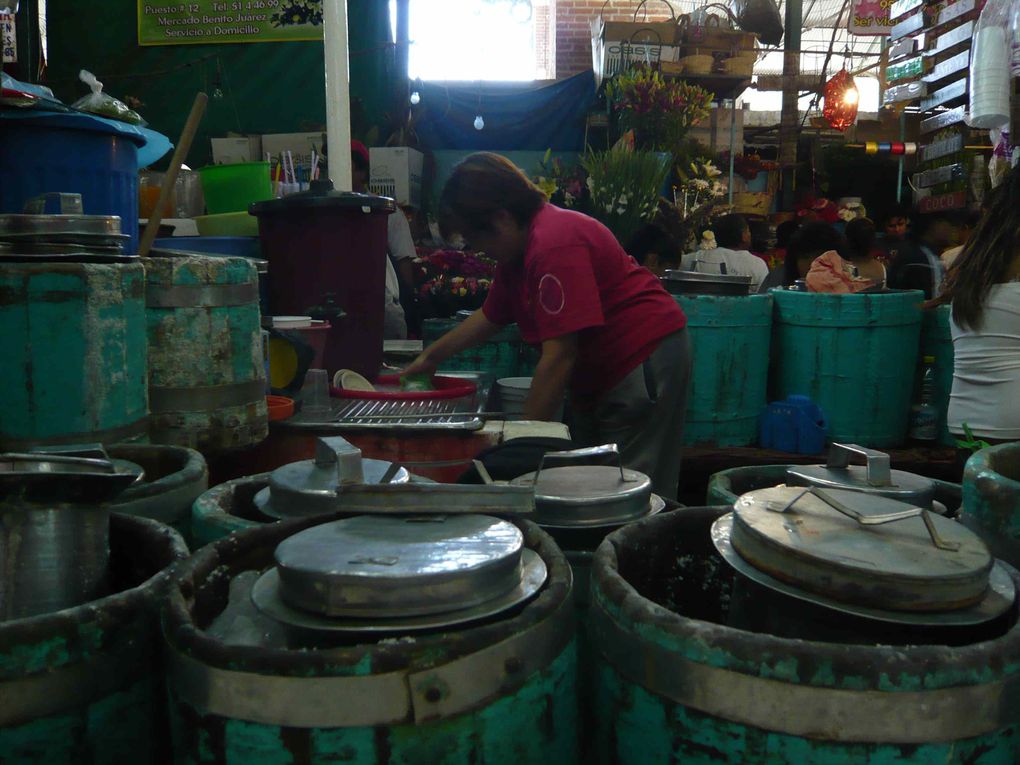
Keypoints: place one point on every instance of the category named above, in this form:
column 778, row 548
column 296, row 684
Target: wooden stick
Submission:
column 180, row 153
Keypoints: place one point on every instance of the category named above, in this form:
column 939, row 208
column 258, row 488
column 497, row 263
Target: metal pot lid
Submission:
column 861, row 548
column 390, row 567
column 587, row 495
column 697, row 276
column 267, row 598
column 998, row 599
column 874, row 477
column 312, row 488
column 567, row 520
column 79, row 476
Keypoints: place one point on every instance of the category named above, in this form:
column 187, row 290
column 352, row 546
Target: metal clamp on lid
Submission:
column 866, row 519
column 583, row 453
column 70, row 204
column 345, row 455
column 877, row 463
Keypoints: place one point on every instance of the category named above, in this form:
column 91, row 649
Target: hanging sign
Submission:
column 163, row 22
column 8, row 39
column 870, row 17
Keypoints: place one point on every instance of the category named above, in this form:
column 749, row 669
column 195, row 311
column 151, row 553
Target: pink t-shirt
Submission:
column 575, row 277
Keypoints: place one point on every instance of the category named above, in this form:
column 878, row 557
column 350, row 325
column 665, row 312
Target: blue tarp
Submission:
column 549, row 117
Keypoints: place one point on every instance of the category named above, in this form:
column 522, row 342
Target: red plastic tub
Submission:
column 446, row 388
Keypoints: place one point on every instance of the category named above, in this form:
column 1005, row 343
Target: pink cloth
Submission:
column 830, row 273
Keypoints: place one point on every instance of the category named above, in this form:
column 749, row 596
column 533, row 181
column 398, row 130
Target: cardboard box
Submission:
column 234, row 149
column 396, row 172
column 300, row 145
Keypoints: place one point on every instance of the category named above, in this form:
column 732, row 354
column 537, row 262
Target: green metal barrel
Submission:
column 937, row 341
column 174, row 478
column 500, row 355
column 730, row 346
column 84, row 685
column 726, row 486
column 502, row 691
column 206, row 374
column 853, row 355
column 72, row 340
column 676, row 685
column 227, row 508
column 991, row 499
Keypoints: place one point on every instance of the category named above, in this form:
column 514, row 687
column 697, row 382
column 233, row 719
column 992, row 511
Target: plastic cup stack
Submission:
column 989, row 79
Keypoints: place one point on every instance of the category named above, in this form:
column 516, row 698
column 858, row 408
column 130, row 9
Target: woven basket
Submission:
column 699, row 63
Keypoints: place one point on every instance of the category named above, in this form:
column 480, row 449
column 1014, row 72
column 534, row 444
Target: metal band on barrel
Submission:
column 165, row 398
column 909, row 717
column 132, row 430
column 369, row 700
column 201, row 295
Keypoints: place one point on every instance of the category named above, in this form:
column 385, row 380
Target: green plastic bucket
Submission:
column 231, row 188
column 730, row 346
column 500, row 355
column 853, row 355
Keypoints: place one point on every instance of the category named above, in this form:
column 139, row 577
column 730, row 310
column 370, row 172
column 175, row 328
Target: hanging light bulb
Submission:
column 217, row 92
column 415, row 98
column 851, row 97
column 840, row 99
column 479, row 122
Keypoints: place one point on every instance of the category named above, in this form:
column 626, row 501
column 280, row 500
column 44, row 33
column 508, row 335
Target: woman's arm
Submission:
column 473, row 330
column 551, row 377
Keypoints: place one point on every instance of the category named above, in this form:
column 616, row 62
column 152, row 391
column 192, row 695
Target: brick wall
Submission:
column 573, row 28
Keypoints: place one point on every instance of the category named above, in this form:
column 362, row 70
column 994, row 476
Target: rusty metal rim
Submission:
column 201, row 295
column 908, row 717
column 139, row 427
column 436, row 693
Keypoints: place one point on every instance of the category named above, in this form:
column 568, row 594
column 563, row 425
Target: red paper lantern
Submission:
column 841, row 100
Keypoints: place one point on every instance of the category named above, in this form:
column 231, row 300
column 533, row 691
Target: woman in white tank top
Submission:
column 983, row 286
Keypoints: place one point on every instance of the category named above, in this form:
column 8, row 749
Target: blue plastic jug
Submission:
column 796, row 425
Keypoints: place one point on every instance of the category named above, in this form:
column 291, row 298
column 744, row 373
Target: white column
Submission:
column 338, row 96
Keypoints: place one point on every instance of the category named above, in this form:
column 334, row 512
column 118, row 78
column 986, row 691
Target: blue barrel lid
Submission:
column 322, row 194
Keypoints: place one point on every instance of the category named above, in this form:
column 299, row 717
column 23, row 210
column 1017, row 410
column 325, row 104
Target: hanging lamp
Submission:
column 841, row 99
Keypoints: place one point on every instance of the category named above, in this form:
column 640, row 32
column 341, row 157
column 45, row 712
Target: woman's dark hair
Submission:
column 729, row 230
column 784, row 231
column 860, row 238
column 986, row 257
column 479, row 187
column 652, row 238
column 810, row 241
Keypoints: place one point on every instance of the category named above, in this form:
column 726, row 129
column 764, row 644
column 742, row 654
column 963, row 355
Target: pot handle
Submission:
column 585, row 453
column 877, row 462
column 336, row 450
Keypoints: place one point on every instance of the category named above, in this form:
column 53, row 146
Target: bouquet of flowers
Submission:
column 565, row 187
column 660, row 111
column 624, row 187
column 699, row 189
column 447, row 281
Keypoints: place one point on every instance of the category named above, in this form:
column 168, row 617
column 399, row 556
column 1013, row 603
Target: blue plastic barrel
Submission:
column 730, row 347
column 853, row 355
column 100, row 165
column 796, row 425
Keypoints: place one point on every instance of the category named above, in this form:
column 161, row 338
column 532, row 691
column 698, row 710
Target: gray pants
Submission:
column 644, row 415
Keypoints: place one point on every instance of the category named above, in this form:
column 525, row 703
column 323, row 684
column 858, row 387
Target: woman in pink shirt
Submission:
column 608, row 331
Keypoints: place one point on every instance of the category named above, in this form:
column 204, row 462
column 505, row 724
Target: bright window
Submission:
column 480, row 39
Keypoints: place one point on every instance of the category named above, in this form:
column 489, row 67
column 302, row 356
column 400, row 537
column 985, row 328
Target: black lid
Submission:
column 322, row 194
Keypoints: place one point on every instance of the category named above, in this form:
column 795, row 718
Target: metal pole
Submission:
column 788, row 128
column 899, row 170
column 733, row 142
column 338, row 96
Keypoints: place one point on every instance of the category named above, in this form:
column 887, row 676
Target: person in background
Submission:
column 861, row 250
column 729, row 254
column 919, row 268
column 983, row 288
column 609, row 332
column 652, row 247
column 777, row 255
column 894, row 232
column 966, row 224
column 399, row 245
column 808, row 242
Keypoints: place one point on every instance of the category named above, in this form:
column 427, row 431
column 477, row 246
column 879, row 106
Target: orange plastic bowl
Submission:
column 280, row 407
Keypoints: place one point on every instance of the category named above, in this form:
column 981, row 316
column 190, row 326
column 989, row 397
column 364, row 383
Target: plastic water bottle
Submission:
column 924, row 417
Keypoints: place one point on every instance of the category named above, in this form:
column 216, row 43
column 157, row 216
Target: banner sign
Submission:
column 8, row 39
column 228, row 21
column 870, row 17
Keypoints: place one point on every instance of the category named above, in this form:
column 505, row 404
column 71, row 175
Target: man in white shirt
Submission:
column 729, row 255
column 399, row 246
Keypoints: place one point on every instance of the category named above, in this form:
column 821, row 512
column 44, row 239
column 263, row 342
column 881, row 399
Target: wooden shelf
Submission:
column 721, row 86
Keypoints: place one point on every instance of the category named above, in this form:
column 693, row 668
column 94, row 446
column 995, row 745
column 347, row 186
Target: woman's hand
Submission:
column 423, row 365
